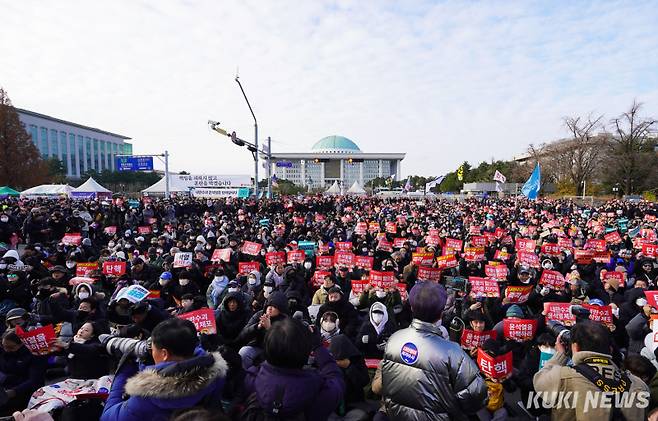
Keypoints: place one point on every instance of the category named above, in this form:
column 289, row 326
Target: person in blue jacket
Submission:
column 181, row 378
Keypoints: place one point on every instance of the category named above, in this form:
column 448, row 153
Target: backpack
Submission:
column 253, row 411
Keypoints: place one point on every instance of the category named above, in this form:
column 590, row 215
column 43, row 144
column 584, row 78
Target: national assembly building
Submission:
column 335, row 159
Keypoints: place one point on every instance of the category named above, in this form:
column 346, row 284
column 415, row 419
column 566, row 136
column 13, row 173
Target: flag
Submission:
column 460, row 173
column 407, row 185
column 531, row 187
column 437, row 181
column 498, row 176
column 275, row 181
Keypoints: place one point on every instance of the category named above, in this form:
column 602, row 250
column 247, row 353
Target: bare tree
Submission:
column 581, row 154
column 633, row 159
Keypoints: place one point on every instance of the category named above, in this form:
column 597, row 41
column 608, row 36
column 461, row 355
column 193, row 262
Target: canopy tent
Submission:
column 48, row 190
column 8, row 191
column 90, row 189
column 175, row 186
column 356, row 189
column 334, row 189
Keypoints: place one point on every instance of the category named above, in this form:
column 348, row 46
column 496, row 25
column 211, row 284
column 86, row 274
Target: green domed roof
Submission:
column 335, row 144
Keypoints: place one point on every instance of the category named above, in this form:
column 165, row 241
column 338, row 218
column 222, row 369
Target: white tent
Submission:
column 48, row 190
column 334, row 189
column 91, row 188
column 175, row 186
column 356, row 189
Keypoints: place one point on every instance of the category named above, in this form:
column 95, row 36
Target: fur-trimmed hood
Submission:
column 178, row 380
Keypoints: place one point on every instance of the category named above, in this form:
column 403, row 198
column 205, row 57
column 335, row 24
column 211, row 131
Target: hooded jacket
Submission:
column 372, row 338
column 436, row 380
column 159, row 390
column 231, row 323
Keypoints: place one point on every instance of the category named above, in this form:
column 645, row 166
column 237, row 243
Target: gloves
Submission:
column 544, row 291
column 364, row 339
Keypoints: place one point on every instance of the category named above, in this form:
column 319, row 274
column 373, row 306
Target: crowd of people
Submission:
column 341, row 308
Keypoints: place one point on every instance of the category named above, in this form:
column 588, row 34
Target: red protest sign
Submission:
column 275, row 257
column 391, row 227
column 612, row 237
column 652, row 298
column 559, row 312
column 146, row 229
column 473, row 339
column 84, row 269
column 446, row 262
column 528, row 258
column 518, row 294
column 373, row 226
column 433, row 232
column 520, row 330
column 583, row 257
column 297, row 220
column 525, row 244
column 365, row 262
column 485, row 286
column 601, row 314
column 479, row 241
column 251, row 248
column 319, row 217
column 221, row 255
column 318, row 277
column 37, row 341
column 422, row 259
column 551, row 249
column 248, row 267
column 496, row 271
column 429, row 274
column 474, row 230
column 72, row 239
column 496, row 368
column 552, row 279
column 384, row 245
column 361, row 228
column 500, row 233
column 358, row 286
column 618, row 276
column 344, row 245
column 382, row 279
column 296, row 256
column 501, row 255
column 565, row 243
column 402, row 289
column 398, row 242
column 454, row 244
column 344, row 258
column 114, row 268
column 204, row 320
column 111, row 230
column 324, row 262
column 650, row 250
column 594, row 244
column 474, row 254
column 601, row 256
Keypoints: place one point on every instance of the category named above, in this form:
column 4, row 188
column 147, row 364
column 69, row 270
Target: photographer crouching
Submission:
column 182, row 377
column 592, row 387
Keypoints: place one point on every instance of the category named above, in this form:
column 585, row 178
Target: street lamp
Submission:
column 255, row 148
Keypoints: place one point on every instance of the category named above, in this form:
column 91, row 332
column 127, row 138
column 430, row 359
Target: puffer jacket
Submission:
column 158, row 391
column 426, row 377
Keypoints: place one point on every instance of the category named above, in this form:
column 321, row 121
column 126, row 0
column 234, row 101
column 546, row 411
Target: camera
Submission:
column 456, row 283
column 580, row 312
column 115, row 345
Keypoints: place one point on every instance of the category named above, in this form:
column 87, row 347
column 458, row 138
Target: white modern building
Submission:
column 335, row 158
column 81, row 148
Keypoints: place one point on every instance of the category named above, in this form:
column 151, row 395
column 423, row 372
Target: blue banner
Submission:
column 531, row 187
column 134, row 163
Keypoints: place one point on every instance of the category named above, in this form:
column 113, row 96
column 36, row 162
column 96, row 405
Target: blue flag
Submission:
column 531, row 187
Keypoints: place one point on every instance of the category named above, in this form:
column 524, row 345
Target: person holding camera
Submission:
column 181, row 378
column 591, row 374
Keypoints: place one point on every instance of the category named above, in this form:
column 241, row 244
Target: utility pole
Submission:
column 237, row 79
column 166, row 159
column 269, row 167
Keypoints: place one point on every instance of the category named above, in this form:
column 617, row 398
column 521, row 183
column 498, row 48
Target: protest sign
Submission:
column 114, row 268
column 498, row 272
column 373, row 227
column 361, row 228
column 501, row 255
column 495, row 367
column 344, row 258
column 111, row 230
column 473, row 339
column 143, row 230
column 251, row 248
column 612, row 238
column 391, row 227
column 324, row 262
column 343, row 245
column 428, row 274
column 422, row 259
column 248, row 267
column 358, row 285
column 583, row 257
column 382, row 279
column 72, row 239
column 485, row 286
column 204, row 321
column 552, row 279
column 474, row 254
column 518, row 294
column 474, row 230
column 652, row 298
column 454, row 244
column 85, row 269
column 133, row 293
column 478, row 241
column 37, row 341
column 601, row 314
column 402, row 289
column 601, row 256
column 551, row 249
column 595, row 244
column 520, row 330
column 620, row 277
column 447, row 262
column 650, row 250
column 296, row 256
column 525, row 244
column 559, row 312
column 384, row 245
column 221, row 255
column 276, row 257
column 398, row 242
column 365, row 262
column 183, row 259
column 528, row 258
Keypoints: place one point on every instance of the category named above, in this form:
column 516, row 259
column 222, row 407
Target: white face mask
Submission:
column 70, row 265
column 328, row 326
column 252, row 281
column 377, row 318
column 83, row 294
column 308, row 265
column 4, row 219
column 233, row 289
column 547, row 350
column 183, row 282
column 380, row 294
column 267, row 290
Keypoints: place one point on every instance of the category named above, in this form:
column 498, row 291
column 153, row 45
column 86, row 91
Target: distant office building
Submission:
column 335, row 158
column 80, row 148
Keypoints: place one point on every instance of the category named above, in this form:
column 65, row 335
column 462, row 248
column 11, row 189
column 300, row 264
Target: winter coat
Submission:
column 87, row 360
column 24, row 372
column 159, row 390
column 637, row 329
column 436, row 380
column 371, row 340
column 356, row 374
column 316, row 393
column 231, row 323
column 557, row 376
column 348, row 315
